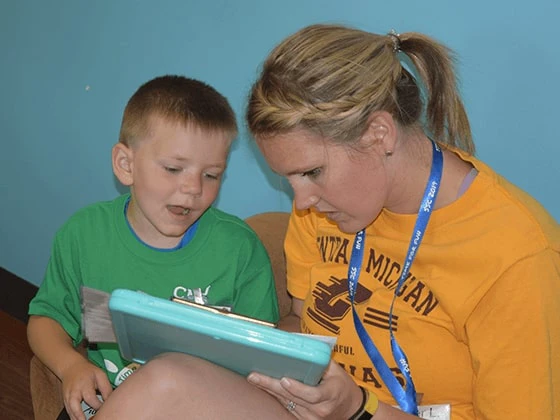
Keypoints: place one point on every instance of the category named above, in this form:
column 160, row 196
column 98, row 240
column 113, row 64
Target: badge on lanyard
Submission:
column 435, row 412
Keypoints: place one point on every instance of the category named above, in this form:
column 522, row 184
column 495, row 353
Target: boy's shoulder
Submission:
column 227, row 223
column 94, row 215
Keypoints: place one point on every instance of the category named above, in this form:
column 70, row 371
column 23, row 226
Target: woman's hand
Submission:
column 336, row 397
column 80, row 382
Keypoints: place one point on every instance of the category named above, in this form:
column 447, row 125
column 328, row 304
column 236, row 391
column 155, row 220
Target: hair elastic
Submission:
column 395, row 38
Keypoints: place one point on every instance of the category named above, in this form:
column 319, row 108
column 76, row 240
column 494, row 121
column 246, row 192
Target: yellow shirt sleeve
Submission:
column 514, row 337
column 301, row 252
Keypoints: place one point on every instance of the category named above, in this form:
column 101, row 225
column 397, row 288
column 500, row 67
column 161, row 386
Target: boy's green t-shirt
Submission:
column 96, row 248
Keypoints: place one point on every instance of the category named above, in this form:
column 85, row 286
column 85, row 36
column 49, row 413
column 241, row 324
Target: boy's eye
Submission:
column 171, row 169
column 313, row 173
column 212, row 176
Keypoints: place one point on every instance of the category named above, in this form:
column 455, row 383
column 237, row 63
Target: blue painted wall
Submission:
column 68, row 68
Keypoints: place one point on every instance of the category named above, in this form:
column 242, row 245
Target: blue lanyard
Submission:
column 405, row 397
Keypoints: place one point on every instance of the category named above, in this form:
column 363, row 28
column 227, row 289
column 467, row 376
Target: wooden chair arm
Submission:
column 46, row 391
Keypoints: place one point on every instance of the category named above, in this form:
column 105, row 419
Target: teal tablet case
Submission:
column 146, row 326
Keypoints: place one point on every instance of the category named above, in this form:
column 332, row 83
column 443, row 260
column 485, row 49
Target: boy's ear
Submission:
column 380, row 133
column 122, row 158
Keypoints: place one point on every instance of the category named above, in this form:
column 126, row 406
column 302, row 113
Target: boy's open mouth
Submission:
column 179, row 210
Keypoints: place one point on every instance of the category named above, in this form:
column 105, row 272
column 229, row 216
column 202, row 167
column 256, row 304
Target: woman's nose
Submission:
column 304, row 200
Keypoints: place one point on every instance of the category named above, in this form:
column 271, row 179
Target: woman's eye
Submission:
column 313, row 173
column 171, row 169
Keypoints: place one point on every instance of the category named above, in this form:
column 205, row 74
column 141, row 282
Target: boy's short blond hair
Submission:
column 177, row 99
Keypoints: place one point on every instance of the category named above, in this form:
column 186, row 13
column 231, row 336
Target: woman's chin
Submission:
column 344, row 223
column 349, row 227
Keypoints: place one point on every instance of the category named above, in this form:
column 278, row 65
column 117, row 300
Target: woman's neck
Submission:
column 411, row 171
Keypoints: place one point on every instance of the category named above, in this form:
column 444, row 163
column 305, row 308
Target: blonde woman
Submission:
column 439, row 278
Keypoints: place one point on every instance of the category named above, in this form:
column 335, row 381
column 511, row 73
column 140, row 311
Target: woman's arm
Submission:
column 514, row 342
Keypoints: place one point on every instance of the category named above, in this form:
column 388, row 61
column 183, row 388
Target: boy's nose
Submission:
column 192, row 185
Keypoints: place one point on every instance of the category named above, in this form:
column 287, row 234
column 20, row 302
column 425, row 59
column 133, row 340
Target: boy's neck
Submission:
column 182, row 241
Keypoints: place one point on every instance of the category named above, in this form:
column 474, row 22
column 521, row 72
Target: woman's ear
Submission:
column 122, row 158
column 380, row 133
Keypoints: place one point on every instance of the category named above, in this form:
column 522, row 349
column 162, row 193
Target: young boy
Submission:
column 163, row 238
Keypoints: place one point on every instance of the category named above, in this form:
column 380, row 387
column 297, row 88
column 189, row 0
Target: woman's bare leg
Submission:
column 178, row 386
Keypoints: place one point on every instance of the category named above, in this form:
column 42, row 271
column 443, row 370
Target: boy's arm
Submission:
column 80, row 378
column 254, row 289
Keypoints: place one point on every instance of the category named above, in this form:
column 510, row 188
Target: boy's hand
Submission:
column 80, row 382
column 80, row 378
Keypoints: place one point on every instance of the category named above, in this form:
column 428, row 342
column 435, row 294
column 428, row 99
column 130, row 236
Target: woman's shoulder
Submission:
column 503, row 206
